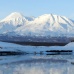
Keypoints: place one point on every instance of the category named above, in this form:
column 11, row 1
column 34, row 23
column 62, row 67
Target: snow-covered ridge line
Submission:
column 44, row 25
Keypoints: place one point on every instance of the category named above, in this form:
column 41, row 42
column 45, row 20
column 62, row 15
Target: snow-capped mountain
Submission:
column 12, row 22
column 45, row 25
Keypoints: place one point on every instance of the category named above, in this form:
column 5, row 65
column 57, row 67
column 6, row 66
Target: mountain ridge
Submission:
column 44, row 25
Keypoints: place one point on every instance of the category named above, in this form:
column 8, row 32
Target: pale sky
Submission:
column 37, row 7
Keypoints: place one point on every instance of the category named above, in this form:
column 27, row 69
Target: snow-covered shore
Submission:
column 11, row 46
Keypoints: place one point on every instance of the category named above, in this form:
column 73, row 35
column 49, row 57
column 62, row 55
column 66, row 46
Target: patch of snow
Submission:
column 15, row 47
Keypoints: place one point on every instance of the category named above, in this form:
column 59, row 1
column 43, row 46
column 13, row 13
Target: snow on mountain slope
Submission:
column 45, row 25
column 13, row 21
column 48, row 24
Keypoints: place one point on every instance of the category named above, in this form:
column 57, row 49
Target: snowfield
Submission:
column 10, row 46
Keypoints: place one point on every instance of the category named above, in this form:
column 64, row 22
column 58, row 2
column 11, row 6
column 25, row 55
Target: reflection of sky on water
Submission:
column 17, row 65
column 37, row 68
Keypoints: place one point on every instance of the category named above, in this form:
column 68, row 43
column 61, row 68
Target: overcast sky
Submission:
column 37, row 7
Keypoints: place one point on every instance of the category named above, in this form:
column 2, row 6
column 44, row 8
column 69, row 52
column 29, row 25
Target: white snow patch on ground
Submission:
column 6, row 45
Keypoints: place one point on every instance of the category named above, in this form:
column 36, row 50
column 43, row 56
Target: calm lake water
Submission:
column 37, row 64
